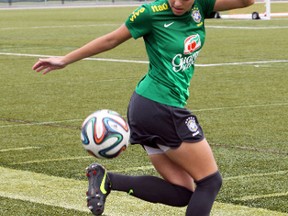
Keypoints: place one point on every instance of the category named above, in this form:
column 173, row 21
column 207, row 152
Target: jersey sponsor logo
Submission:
column 166, row 25
column 196, row 15
column 158, row 8
column 192, row 43
column 181, row 63
column 136, row 13
column 192, row 125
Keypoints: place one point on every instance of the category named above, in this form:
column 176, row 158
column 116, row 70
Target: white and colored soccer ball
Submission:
column 105, row 134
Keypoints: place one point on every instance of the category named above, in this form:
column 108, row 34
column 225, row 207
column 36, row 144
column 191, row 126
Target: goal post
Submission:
column 268, row 9
column 262, row 9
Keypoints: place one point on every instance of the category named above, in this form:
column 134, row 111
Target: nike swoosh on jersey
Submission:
column 166, row 25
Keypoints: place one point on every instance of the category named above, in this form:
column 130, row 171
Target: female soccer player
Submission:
column 174, row 33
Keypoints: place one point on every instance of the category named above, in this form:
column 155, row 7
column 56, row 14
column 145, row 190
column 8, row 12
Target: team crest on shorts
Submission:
column 191, row 124
column 196, row 15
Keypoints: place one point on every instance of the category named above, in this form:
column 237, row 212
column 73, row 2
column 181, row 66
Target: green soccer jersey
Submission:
column 172, row 44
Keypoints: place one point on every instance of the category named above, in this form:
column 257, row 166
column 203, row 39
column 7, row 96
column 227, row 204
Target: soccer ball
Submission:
column 105, row 134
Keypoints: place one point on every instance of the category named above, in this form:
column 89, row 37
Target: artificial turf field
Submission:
column 239, row 93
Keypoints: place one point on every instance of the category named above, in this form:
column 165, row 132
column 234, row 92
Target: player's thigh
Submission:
column 171, row 171
column 196, row 158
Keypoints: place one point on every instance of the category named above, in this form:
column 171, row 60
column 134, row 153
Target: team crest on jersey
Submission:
column 191, row 124
column 192, row 43
column 196, row 15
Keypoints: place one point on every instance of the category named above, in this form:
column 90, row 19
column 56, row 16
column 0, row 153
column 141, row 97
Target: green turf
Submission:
column 19, row 207
column 242, row 108
column 46, row 195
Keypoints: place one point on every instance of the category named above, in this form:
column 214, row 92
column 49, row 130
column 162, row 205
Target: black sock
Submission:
column 151, row 189
column 204, row 196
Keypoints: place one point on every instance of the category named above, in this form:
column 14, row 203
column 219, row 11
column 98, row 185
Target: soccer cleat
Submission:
column 99, row 187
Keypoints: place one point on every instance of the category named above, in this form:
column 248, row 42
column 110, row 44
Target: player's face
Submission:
column 179, row 7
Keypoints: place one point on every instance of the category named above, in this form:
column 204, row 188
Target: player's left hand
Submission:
column 48, row 64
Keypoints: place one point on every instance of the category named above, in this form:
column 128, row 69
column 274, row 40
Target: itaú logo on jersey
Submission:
column 191, row 44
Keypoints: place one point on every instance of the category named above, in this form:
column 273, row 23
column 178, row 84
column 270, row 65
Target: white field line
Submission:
column 65, row 6
column 70, row 194
column 243, row 63
column 83, row 5
column 40, row 188
column 196, row 110
column 55, row 26
column 247, row 27
column 282, row 172
column 240, row 107
column 39, row 123
column 149, row 167
column 146, row 62
column 118, row 24
column 254, row 197
column 54, row 160
column 260, row 175
column 19, row 149
column 91, row 59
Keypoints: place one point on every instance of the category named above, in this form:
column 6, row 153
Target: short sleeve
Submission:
column 139, row 22
column 207, row 6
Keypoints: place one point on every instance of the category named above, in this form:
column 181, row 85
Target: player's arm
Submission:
column 222, row 5
column 99, row 45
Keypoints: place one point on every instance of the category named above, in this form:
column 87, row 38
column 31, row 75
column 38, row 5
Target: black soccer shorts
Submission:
column 153, row 123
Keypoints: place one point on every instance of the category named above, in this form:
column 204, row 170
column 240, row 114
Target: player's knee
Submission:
column 212, row 183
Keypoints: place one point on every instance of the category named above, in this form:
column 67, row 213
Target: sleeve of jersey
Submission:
column 207, row 6
column 139, row 22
